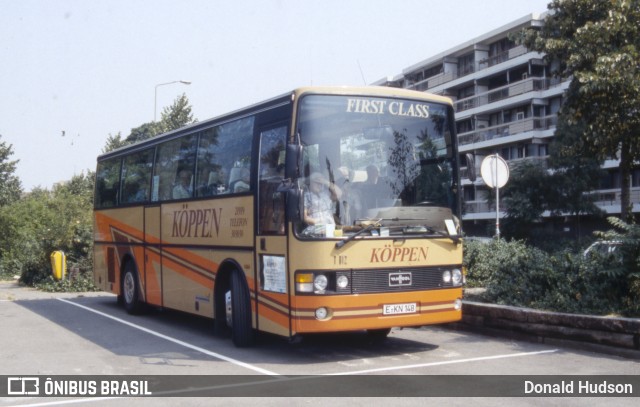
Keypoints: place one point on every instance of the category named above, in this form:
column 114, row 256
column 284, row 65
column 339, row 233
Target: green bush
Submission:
column 626, row 271
column 43, row 221
column 514, row 273
column 474, row 260
column 579, row 286
column 79, row 283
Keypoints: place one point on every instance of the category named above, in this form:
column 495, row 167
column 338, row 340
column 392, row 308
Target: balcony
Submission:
column 505, row 92
column 502, row 57
column 609, row 199
column 433, row 81
column 606, row 199
column 507, row 129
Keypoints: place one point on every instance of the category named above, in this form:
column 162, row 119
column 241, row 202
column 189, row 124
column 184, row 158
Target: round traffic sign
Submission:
column 494, row 171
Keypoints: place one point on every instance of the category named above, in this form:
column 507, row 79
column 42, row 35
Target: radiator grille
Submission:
column 383, row 281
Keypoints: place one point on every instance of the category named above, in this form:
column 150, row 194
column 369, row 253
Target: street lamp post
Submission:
column 155, row 100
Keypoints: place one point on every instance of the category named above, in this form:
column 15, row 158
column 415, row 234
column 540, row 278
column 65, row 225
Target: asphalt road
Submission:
column 44, row 334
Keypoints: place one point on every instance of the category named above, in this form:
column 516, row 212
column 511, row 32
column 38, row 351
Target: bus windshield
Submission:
column 377, row 161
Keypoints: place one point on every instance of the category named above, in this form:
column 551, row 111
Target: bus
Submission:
column 212, row 219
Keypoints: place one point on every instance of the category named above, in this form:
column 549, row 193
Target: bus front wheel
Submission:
column 238, row 311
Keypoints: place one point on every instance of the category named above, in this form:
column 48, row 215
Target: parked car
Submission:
column 604, row 249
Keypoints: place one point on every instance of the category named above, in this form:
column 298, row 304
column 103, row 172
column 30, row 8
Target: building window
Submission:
column 466, row 92
column 469, row 193
column 635, row 178
column 466, row 65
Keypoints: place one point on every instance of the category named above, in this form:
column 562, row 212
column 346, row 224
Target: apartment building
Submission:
column 506, row 102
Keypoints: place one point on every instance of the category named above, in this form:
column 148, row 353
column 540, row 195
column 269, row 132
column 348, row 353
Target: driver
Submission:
column 319, row 200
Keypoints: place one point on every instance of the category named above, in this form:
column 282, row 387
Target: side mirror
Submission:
column 293, row 161
column 294, row 204
column 471, row 167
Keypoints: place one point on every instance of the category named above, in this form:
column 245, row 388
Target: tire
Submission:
column 220, row 327
column 378, row 335
column 239, row 312
column 130, row 289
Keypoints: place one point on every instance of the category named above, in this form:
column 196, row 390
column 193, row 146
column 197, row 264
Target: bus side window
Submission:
column 107, row 182
column 174, row 157
column 211, row 178
column 223, row 156
column 136, row 176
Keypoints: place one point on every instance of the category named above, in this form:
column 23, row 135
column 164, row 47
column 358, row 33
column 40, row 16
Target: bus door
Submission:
column 151, row 274
column 271, row 287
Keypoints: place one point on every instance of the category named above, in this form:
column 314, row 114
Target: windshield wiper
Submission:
column 422, row 228
column 454, row 238
column 358, row 233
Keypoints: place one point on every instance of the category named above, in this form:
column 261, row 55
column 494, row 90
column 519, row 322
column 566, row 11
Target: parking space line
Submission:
column 177, row 341
column 447, row 362
column 277, row 375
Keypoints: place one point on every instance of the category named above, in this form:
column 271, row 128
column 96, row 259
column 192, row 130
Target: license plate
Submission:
column 395, row 309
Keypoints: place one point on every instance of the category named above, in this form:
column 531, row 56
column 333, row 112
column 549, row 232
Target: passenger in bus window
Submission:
column 141, row 194
column 319, row 200
column 183, row 187
column 242, row 185
column 215, row 184
column 373, row 175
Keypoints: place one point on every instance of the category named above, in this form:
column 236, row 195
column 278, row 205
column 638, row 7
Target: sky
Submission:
column 73, row 72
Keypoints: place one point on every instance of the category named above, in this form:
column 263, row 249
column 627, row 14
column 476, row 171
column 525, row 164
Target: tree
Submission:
column 143, row 132
column 177, row 115
column 525, row 198
column 44, row 221
column 597, row 44
column 559, row 190
column 173, row 117
column 113, row 143
column 10, row 185
column 574, row 173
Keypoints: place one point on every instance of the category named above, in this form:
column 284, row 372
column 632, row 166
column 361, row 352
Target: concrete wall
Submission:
column 613, row 335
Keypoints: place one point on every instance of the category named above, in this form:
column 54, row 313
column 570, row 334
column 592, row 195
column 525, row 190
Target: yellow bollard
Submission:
column 58, row 264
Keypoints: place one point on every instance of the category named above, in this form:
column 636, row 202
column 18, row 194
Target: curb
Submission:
column 611, row 335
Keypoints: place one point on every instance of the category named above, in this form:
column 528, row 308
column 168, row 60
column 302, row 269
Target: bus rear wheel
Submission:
column 130, row 289
column 238, row 311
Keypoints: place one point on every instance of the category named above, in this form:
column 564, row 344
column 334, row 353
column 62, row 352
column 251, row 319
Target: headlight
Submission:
column 446, row 277
column 320, row 282
column 453, row 277
column 343, row 281
column 456, row 276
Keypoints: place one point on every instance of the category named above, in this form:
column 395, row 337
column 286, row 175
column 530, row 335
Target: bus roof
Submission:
column 281, row 100
column 372, row 91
